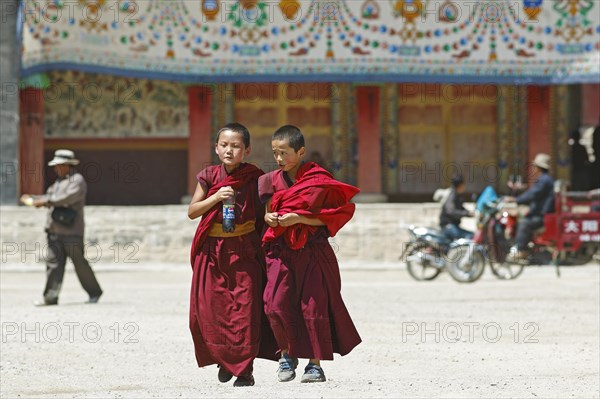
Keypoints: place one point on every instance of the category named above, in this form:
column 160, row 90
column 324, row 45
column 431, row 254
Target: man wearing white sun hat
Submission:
column 65, row 199
column 540, row 198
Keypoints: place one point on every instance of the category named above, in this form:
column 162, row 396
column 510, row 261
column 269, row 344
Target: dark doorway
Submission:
column 130, row 177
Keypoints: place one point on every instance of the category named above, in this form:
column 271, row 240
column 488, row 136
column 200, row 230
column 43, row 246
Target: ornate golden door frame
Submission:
column 437, row 131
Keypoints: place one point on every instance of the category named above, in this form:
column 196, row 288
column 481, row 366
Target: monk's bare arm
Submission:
column 200, row 204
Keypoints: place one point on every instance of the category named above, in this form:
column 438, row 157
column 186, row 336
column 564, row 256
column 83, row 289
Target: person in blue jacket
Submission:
column 540, row 198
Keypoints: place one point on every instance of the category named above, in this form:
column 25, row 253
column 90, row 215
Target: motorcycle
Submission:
column 570, row 235
column 429, row 252
column 496, row 231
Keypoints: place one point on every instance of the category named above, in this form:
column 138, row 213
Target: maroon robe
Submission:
column 227, row 323
column 302, row 297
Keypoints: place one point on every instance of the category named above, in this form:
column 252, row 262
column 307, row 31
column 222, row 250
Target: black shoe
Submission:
column 93, row 299
column 246, row 380
column 224, row 375
column 45, row 303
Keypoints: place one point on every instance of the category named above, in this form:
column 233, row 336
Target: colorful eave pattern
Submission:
column 502, row 41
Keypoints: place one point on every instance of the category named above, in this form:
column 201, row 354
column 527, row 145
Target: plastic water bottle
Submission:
column 229, row 214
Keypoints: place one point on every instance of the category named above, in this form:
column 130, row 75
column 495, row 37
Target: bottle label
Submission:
column 228, row 212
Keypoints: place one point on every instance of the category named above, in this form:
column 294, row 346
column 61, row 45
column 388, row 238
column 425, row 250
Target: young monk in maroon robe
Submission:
column 304, row 206
column 228, row 267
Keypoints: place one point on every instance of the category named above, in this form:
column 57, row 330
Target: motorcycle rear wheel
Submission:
column 584, row 255
column 418, row 270
column 497, row 257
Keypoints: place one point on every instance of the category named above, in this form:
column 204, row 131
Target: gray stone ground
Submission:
column 537, row 336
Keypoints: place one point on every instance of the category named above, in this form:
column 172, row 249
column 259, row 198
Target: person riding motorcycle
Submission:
column 540, row 198
column 453, row 211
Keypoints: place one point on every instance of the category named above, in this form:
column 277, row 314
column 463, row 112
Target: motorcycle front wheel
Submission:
column 421, row 270
column 465, row 263
column 506, row 270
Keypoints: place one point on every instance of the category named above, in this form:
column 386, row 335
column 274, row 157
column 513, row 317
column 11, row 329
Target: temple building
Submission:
column 395, row 97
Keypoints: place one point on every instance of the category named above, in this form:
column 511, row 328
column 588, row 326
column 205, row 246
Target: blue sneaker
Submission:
column 287, row 368
column 313, row 373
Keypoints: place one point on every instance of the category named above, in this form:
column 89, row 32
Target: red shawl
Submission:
column 246, row 173
column 315, row 194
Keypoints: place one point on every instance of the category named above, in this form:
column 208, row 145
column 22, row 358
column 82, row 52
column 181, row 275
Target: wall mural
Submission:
column 80, row 104
column 501, row 41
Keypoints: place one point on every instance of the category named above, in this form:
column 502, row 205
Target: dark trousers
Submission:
column 453, row 232
column 59, row 248
column 525, row 229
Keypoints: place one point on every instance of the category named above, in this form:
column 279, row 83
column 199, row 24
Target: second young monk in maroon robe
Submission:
column 302, row 296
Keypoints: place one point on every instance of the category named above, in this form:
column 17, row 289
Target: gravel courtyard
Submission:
column 537, row 336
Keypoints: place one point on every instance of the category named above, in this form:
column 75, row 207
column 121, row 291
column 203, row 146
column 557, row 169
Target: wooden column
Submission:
column 343, row 132
column 31, row 142
column 369, row 140
column 590, row 104
column 200, row 144
column 538, row 121
column 565, row 117
column 10, row 50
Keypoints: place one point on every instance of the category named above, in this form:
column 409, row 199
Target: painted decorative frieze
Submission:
column 499, row 41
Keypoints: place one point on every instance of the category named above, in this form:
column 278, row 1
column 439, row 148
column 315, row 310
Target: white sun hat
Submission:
column 63, row 157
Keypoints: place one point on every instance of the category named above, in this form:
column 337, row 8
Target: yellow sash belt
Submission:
column 240, row 229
